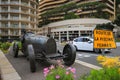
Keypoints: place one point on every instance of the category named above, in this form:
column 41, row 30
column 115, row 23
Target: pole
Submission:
column 103, row 52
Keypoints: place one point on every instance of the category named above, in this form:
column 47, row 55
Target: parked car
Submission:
column 85, row 43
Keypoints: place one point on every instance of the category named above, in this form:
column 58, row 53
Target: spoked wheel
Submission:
column 31, row 58
column 97, row 50
column 69, row 52
column 15, row 49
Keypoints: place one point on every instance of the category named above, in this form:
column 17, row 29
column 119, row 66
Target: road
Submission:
column 21, row 64
column 90, row 57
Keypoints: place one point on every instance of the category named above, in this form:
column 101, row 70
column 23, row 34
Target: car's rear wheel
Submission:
column 31, row 55
column 15, row 49
column 97, row 50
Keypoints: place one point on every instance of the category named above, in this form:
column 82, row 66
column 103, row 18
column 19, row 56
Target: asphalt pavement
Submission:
column 21, row 64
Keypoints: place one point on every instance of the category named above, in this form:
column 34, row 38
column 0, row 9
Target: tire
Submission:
column 69, row 52
column 76, row 48
column 97, row 50
column 15, row 49
column 31, row 56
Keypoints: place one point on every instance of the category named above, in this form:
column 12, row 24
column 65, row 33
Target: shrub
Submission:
column 19, row 44
column 5, row 46
column 109, row 61
column 110, row 71
column 0, row 44
column 103, row 74
column 59, row 73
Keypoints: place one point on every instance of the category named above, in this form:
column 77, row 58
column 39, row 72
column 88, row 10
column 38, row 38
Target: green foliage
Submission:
column 70, row 16
column 59, row 72
column 20, row 45
column 0, row 44
column 117, row 40
column 107, row 26
column 117, row 20
column 117, row 2
column 103, row 74
column 37, row 1
column 5, row 46
column 100, row 14
column 84, row 5
column 66, row 8
column 63, row 9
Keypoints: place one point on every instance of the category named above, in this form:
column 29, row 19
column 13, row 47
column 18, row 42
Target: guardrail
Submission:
column 7, row 71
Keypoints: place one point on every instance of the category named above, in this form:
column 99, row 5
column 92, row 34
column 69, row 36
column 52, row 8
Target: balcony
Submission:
column 14, row 2
column 4, row 10
column 4, row 18
column 4, row 26
column 24, row 4
column 24, row 19
column 14, row 18
column 14, row 11
column 4, row 2
column 26, row 12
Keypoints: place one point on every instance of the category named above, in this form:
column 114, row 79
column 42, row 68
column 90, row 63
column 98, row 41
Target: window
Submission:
column 14, row 24
column 86, row 39
column 5, row 24
column 78, row 40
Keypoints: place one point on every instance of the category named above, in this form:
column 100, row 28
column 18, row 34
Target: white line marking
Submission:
column 88, row 65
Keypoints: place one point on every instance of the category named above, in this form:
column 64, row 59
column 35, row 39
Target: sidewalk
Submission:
column 7, row 72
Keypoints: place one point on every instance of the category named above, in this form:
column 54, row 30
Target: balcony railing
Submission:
column 4, row 2
column 14, row 11
column 14, row 2
column 24, row 11
column 14, row 18
column 3, row 26
column 25, row 19
column 3, row 18
column 24, row 4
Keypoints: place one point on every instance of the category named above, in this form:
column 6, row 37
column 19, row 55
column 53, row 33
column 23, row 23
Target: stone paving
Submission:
column 6, row 69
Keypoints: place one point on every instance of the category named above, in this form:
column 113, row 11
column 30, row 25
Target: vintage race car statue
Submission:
column 39, row 48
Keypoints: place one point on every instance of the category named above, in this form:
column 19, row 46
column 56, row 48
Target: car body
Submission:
column 42, row 48
column 86, row 43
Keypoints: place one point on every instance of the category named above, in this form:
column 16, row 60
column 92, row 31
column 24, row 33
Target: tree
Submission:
column 37, row 1
column 61, row 10
column 107, row 26
column 70, row 15
column 95, row 5
column 117, row 2
column 117, row 20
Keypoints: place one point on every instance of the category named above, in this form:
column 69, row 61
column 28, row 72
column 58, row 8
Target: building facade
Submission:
column 16, row 15
column 67, row 30
column 46, row 5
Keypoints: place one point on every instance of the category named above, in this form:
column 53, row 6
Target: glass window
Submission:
column 86, row 39
column 14, row 24
column 80, row 39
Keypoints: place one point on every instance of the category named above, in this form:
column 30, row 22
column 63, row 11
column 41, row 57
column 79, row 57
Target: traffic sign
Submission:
column 103, row 39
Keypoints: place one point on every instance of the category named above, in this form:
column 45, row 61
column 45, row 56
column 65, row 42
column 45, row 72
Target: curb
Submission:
column 6, row 69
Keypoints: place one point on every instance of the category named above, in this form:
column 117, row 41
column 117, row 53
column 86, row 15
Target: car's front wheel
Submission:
column 76, row 48
column 97, row 50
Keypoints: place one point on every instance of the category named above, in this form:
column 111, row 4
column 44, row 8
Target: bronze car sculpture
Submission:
column 39, row 48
